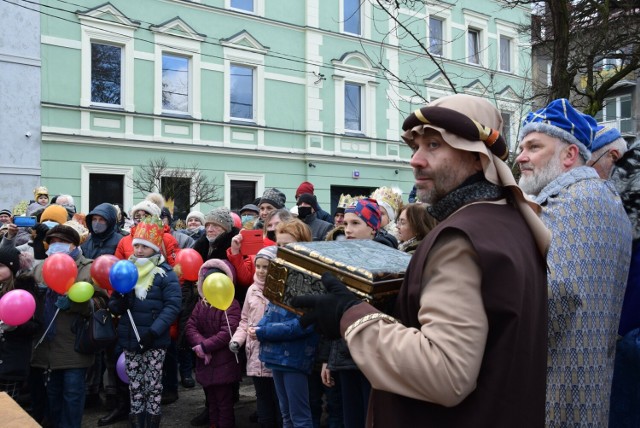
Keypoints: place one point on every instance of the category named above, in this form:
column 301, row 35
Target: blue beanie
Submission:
column 604, row 136
column 559, row 119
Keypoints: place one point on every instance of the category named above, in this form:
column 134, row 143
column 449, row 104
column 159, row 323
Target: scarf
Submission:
column 473, row 189
column 406, row 244
column 147, row 270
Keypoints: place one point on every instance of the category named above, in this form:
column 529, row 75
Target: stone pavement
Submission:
column 190, row 404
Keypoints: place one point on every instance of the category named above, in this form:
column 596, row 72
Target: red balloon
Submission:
column 237, row 221
column 59, row 272
column 100, row 270
column 190, row 262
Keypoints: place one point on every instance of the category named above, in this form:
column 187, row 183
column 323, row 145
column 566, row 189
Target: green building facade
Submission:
column 256, row 93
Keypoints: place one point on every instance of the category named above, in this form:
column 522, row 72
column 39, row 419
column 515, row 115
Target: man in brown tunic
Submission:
column 466, row 345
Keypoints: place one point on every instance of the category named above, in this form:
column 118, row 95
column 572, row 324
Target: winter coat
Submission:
column 58, row 353
column 245, row 268
column 208, row 327
column 319, row 228
column 193, row 234
column 284, row 344
column 323, row 215
column 183, row 240
column 16, row 345
column 384, row 237
column 255, row 305
column 169, row 247
column 106, row 242
column 156, row 312
column 216, row 249
column 190, row 298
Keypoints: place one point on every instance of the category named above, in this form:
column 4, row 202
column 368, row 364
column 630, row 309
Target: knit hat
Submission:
column 149, row 232
column 561, row 120
column 268, row 253
column 250, row 207
column 146, row 206
column 304, row 187
column 367, row 209
column 39, row 191
column 390, row 199
column 63, row 232
column 55, row 213
column 604, row 136
column 307, row 198
column 220, row 216
column 82, row 231
column 10, row 257
column 5, row 211
column 274, row 197
column 196, row 214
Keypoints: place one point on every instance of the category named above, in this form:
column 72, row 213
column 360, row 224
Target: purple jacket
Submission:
column 208, row 326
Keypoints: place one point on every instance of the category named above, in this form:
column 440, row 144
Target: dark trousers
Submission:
column 185, row 362
column 66, row 394
column 266, row 402
column 170, row 368
column 220, row 399
column 333, row 397
column 355, row 397
column 38, row 393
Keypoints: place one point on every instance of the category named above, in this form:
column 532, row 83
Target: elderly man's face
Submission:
column 5, row 219
column 540, row 161
column 439, row 168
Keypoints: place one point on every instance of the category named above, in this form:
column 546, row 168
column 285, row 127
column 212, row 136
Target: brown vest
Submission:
column 511, row 384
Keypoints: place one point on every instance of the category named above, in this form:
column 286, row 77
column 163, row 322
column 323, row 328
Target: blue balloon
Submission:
column 123, row 276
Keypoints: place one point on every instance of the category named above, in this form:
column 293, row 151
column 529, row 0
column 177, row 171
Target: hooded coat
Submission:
column 106, row 242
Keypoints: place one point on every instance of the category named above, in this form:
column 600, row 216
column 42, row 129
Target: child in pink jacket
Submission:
column 254, row 306
column 216, row 367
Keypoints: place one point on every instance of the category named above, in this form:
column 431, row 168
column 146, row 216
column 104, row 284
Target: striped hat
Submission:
column 368, row 210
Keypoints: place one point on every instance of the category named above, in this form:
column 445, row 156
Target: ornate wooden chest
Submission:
column 371, row 270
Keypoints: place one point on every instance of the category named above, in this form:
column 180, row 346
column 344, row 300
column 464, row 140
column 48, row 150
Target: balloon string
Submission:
column 48, row 328
column 133, row 325
column 231, row 334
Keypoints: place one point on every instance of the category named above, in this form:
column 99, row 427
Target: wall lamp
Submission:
column 312, row 165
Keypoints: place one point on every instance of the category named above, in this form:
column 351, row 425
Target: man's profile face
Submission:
column 439, row 168
column 540, row 161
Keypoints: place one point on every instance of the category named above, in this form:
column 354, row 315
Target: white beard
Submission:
column 533, row 184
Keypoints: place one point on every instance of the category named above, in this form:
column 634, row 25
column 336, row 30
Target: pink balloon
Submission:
column 17, row 307
column 237, row 222
column 121, row 368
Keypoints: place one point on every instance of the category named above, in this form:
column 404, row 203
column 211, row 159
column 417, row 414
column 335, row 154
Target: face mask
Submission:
column 50, row 224
column 271, row 234
column 98, row 227
column 304, row 212
column 246, row 218
column 59, row 247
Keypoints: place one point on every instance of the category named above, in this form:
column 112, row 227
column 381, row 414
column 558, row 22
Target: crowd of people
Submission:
column 520, row 305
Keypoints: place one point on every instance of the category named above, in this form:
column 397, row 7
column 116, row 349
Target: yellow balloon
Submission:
column 218, row 290
column 80, row 292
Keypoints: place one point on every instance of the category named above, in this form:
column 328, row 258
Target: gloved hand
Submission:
column 122, row 302
column 325, row 311
column 63, row 303
column 199, row 351
column 41, row 230
column 146, row 341
column 234, row 347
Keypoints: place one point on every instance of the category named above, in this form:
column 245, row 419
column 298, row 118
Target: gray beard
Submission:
column 534, row 183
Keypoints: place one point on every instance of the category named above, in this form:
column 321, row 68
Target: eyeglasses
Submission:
column 599, row 157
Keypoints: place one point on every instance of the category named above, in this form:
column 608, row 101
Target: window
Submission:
column 473, row 46
column 242, row 193
column 106, row 74
column 175, row 83
column 106, row 188
column 351, row 17
column 243, row 5
column 617, row 114
column 505, row 53
column 352, row 107
column 241, row 92
column 506, row 127
column 178, row 191
column 435, row 36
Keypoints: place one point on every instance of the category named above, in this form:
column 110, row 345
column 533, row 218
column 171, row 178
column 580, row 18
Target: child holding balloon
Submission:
column 147, row 297
column 18, row 326
column 209, row 329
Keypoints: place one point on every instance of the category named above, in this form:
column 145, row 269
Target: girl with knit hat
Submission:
column 209, row 330
column 195, row 225
column 154, row 304
column 253, row 310
column 15, row 342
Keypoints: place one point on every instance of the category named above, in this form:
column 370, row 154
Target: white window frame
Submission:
column 479, row 23
column 442, row 24
column 365, row 24
column 508, row 31
column 87, row 169
column 104, row 32
column 246, row 58
column 188, row 48
column 443, row 15
column 190, row 85
column 362, row 75
column 259, row 179
column 258, row 7
column 253, row 93
column 362, row 107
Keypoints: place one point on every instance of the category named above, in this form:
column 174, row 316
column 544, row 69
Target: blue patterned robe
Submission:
column 588, row 264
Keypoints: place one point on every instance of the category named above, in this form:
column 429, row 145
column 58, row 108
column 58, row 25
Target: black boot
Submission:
column 153, row 421
column 136, row 420
column 120, row 413
column 202, row 419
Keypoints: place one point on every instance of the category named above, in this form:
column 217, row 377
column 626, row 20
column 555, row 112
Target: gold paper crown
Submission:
column 344, row 201
column 40, row 190
column 389, row 196
column 150, row 229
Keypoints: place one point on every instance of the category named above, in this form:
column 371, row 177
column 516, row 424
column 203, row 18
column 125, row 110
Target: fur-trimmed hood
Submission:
column 626, row 178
